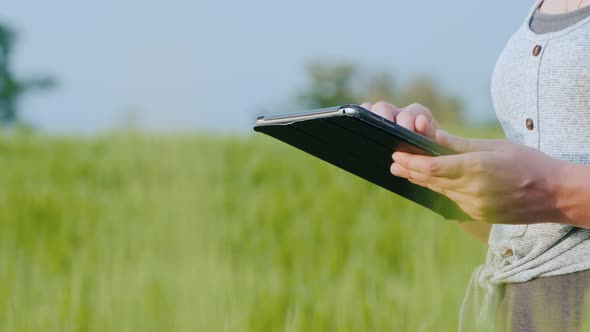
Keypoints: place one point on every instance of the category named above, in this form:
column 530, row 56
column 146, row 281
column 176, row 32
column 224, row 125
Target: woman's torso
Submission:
column 541, row 95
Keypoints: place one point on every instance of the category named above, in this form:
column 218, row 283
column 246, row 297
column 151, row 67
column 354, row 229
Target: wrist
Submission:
column 568, row 189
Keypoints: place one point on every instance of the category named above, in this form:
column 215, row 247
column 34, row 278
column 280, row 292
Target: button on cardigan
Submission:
column 541, row 94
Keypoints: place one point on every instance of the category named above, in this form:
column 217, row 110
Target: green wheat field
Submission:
column 137, row 232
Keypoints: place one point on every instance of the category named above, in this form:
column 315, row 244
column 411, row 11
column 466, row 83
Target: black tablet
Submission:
column 361, row 142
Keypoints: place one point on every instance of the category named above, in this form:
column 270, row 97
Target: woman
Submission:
column 534, row 187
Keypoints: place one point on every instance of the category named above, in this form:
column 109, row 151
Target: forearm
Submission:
column 572, row 195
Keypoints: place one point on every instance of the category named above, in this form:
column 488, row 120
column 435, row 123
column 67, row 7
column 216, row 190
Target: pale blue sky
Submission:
column 212, row 64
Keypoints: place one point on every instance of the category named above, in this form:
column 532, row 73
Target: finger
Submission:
column 409, row 114
column 463, row 145
column 400, row 171
column 386, row 110
column 406, row 119
column 429, row 186
column 367, row 106
column 460, row 198
column 425, row 127
column 418, row 109
column 441, row 167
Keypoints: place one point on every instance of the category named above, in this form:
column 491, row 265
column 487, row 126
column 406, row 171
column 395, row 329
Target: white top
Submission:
column 551, row 87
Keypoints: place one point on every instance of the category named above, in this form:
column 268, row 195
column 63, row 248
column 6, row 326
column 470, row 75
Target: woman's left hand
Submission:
column 494, row 181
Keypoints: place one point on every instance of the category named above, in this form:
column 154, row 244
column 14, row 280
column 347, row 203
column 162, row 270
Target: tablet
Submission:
column 361, row 142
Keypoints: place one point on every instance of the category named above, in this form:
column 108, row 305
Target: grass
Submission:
column 206, row 233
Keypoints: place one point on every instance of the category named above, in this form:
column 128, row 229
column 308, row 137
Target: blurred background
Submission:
column 135, row 197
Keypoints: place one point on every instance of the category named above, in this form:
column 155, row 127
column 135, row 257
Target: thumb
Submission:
column 461, row 144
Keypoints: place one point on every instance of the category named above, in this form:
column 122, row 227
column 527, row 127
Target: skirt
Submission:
column 556, row 303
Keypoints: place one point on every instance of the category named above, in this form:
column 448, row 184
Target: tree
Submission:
column 337, row 84
column 330, row 85
column 447, row 109
column 12, row 89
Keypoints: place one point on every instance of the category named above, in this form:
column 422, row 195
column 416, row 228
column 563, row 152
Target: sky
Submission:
column 212, row 65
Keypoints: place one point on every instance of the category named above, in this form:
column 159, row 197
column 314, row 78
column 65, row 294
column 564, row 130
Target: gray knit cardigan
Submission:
column 541, row 94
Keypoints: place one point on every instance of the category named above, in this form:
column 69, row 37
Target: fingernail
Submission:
column 394, row 157
column 395, row 170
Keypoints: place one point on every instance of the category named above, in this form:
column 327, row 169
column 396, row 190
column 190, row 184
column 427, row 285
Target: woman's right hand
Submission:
column 414, row 117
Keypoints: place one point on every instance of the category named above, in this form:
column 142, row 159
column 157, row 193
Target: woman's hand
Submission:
column 414, row 117
column 418, row 118
column 494, row 181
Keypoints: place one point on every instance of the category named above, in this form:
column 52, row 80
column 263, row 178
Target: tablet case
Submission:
column 362, row 143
